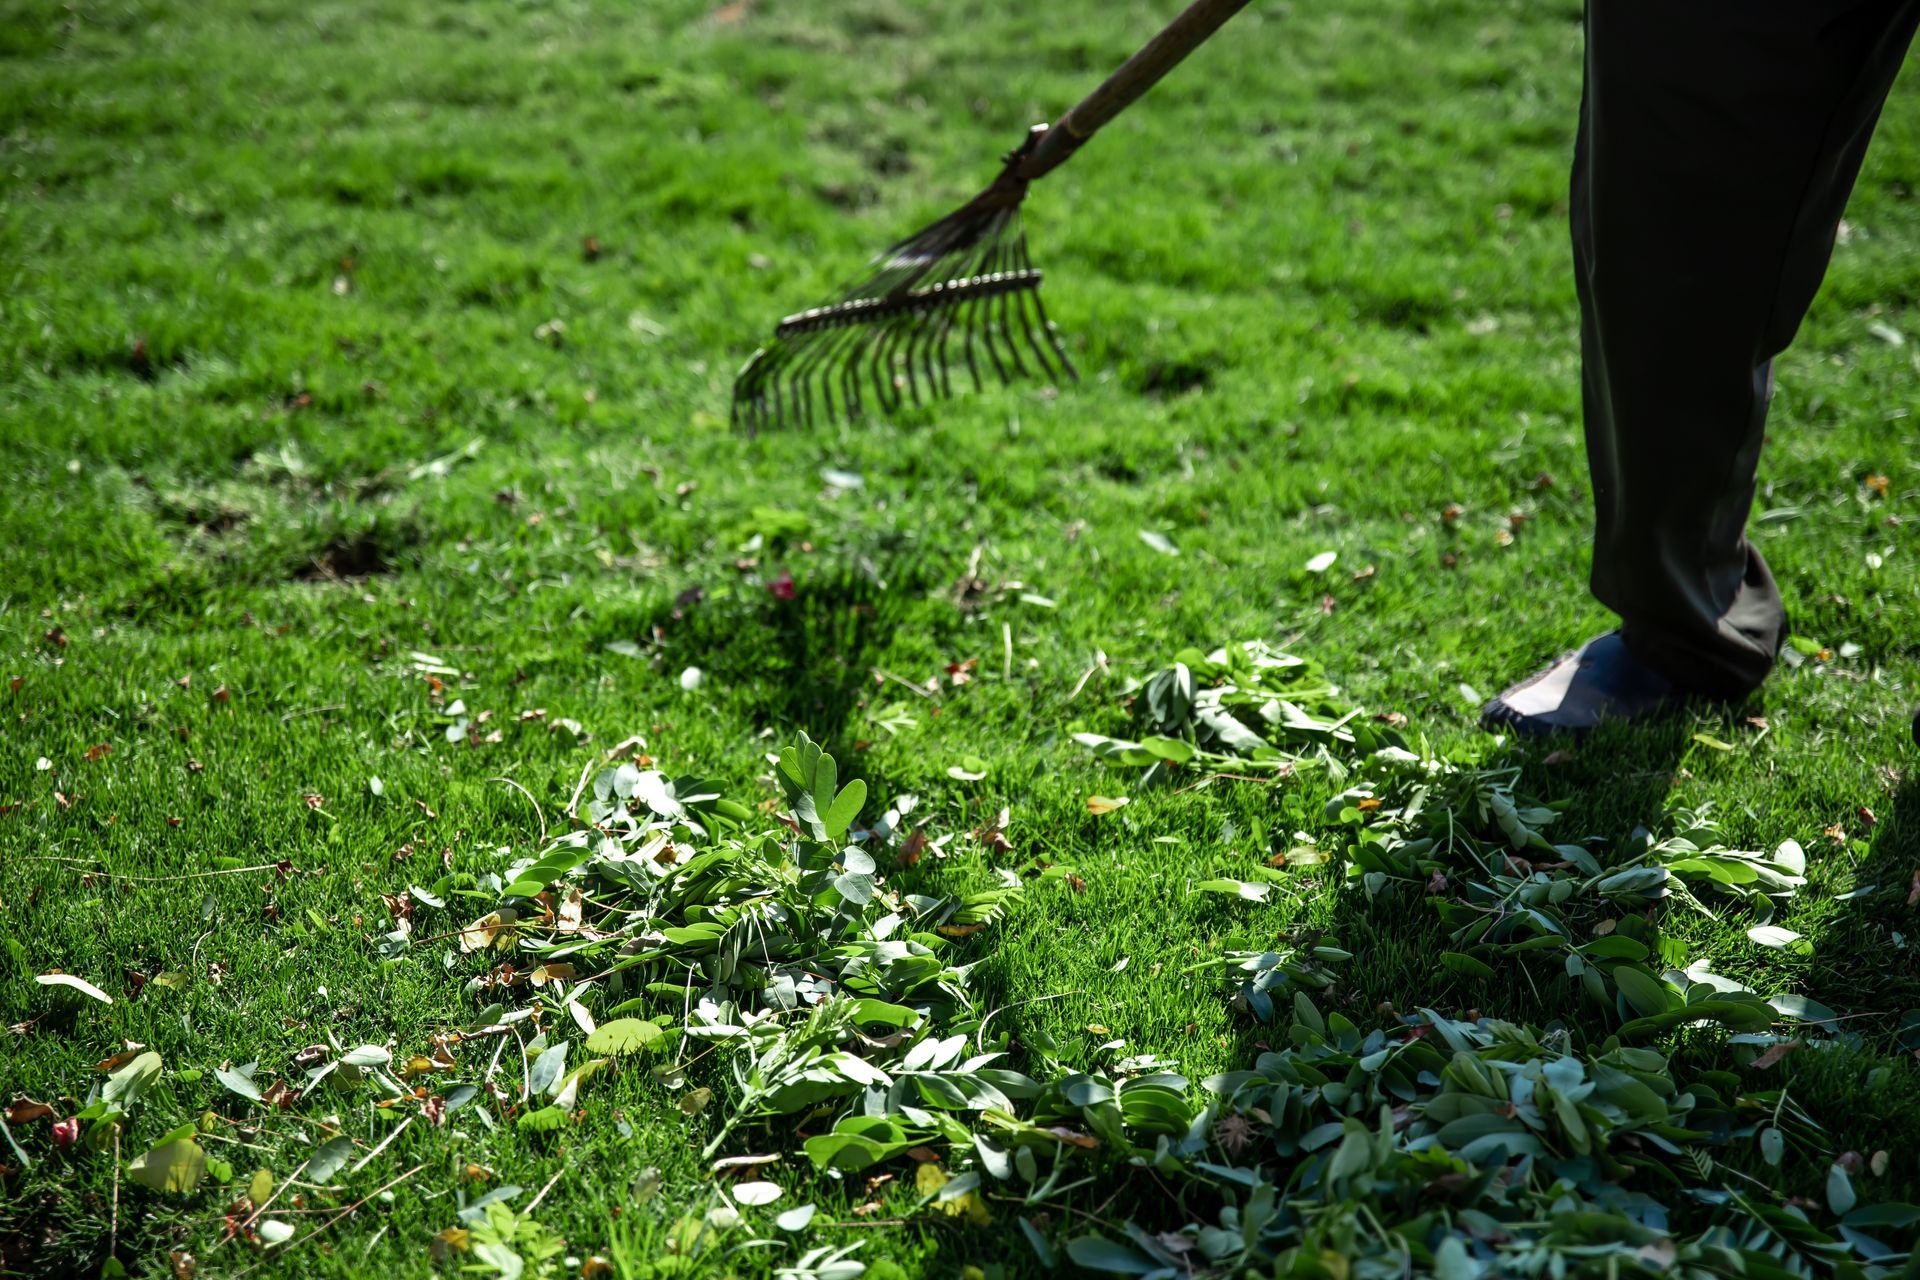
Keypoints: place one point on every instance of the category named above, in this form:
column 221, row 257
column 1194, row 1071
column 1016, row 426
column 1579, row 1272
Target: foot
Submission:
column 1600, row 681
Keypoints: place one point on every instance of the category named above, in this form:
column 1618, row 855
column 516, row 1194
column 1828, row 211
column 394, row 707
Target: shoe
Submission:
column 1600, row 681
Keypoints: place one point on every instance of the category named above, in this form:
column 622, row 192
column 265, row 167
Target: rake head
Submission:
column 955, row 301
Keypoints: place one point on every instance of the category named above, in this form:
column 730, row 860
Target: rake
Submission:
column 957, row 297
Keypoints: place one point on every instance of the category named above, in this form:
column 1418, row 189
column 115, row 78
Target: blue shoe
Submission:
column 1600, row 681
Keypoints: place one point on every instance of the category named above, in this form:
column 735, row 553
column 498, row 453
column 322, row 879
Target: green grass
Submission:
column 304, row 368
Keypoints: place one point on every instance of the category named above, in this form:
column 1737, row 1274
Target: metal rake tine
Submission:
column 1005, row 305
column 849, row 375
column 889, row 362
column 933, row 353
column 803, row 379
column 1053, row 337
column 917, row 341
column 872, row 358
column 966, row 347
column 980, row 305
column 1021, row 311
column 940, row 361
column 905, row 360
column 1029, row 306
column 811, row 357
column 878, row 367
column 844, row 344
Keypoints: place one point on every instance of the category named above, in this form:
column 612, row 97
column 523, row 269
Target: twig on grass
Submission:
column 537, row 812
column 113, row 1229
column 979, row 1036
column 573, row 802
column 351, row 1209
column 313, row 711
column 277, row 1192
column 535, row 1202
column 1099, row 664
column 385, row 1143
column 185, row 875
column 903, row 682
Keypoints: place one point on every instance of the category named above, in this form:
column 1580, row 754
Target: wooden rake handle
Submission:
column 1121, row 89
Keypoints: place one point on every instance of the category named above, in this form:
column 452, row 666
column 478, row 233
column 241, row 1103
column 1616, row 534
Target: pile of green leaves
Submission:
column 794, row 971
column 832, row 996
column 1617, row 1151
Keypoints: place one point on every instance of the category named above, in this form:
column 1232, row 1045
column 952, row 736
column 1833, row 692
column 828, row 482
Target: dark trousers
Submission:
column 1719, row 140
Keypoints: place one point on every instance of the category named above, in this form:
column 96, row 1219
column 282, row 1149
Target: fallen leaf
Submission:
column 25, row 1111
column 78, row 984
column 1105, row 804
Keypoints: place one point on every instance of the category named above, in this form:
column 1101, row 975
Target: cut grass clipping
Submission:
column 804, row 979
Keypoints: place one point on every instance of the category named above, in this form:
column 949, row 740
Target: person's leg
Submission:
column 1719, row 140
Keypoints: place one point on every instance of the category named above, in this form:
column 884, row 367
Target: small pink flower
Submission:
column 782, row 586
column 66, row 1132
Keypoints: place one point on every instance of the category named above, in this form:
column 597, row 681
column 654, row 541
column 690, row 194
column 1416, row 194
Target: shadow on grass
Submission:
column 804, row 659
column 1867, row 957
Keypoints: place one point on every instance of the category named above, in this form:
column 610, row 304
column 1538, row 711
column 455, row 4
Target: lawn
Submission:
column 364, row 380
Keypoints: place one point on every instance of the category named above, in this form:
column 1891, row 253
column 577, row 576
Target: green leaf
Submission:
column 545, row 1120
column 1097, row 1253
column 1646, row 993
column 173, row 1168
column 622, row 1036
column 1888, row 1214
column 846, row 807
column 1800, row 1007
column 328, row 1159
column 1737, row 1015
column 826, row 779
column 1615, row 947
column 1248, row 890
column 238, row 1083
column 125, row 1086
column 544, row 1077
column 1038, row 1243
column 1840, row 1193
column 854, row 887
column 1772, row 935
column 1173, row 749
column 1467, row 966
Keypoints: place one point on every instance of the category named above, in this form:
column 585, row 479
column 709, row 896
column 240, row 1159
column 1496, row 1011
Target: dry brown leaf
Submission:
column 568, row 915
column 545, row 973
column 495, row 929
